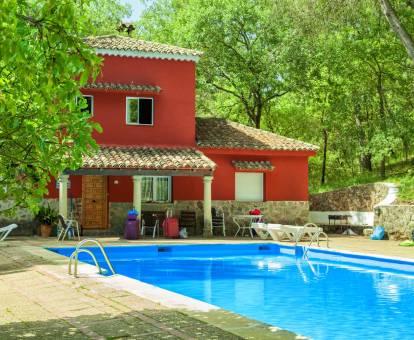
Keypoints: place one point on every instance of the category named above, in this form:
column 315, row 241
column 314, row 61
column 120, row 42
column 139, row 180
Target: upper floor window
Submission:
column 89, row 104
column 139, row 111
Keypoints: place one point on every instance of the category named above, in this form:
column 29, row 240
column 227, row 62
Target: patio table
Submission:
column 244, row 222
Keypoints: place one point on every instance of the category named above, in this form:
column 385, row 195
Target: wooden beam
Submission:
column 137, row 172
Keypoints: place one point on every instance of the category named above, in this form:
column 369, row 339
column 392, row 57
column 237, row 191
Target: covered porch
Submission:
column 134, row 165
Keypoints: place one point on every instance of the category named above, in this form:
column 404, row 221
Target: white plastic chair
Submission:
column 5, row 231
column 65, row 225
column 155, row 228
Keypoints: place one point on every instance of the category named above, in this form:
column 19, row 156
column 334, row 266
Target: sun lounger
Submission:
column 5, row 231
column 262, row 229
column 278, row 232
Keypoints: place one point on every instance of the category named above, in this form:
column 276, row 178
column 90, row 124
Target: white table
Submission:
column 244, row 222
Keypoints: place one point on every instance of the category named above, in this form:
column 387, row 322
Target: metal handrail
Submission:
column 315, row 237
column 83, row 251
column 79, row 250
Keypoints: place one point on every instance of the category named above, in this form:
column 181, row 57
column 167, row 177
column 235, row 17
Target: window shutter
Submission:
column 249, row 186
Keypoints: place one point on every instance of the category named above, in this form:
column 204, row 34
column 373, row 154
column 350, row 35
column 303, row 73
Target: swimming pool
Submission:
column 331, row 295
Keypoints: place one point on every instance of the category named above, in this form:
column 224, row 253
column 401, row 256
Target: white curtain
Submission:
column 155, row 189
column 162, row 188
column 147, row 189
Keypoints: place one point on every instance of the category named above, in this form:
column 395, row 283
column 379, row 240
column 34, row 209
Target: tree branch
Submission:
column 398, row 27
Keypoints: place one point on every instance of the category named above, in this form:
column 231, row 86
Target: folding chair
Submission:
column 65, row 226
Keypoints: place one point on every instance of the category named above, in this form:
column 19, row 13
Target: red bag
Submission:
column 171, row 228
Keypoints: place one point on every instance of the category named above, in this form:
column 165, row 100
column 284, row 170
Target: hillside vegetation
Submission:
column 401, row 174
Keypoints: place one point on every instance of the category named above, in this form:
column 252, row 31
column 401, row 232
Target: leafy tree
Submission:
column 43, row 63
column 249, row 53
column 104, row 16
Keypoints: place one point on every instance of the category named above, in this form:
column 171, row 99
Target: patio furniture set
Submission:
column 153, row 221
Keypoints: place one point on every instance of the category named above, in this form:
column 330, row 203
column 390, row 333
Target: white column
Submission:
column 207, row 231
column 137, row 193
column 63, row 195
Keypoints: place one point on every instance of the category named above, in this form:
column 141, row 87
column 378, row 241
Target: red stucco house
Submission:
column 156, row 154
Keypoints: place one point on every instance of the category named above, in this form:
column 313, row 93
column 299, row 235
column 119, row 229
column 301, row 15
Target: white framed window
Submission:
column 89, row 103
column 139, row 111
column 249, row 186
column 156, row 189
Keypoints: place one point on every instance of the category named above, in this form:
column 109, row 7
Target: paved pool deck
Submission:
column 39, row 300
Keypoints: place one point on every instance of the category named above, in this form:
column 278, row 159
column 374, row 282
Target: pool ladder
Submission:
column 315, row 237
column 79, row 249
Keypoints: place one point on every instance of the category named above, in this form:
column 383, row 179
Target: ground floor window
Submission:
column 156, row 189
column 249, row 186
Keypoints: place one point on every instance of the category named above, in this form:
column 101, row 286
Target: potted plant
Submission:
column 46, row 216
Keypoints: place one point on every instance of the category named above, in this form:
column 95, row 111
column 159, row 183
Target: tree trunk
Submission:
column 382, row 168
column 259, row 110
column 397, row 27
column 365, row 162
column 325, row 150
column 257, row 120
column 365, row 158
column 406, row 147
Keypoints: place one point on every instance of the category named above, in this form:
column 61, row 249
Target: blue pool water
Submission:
column 330, row 296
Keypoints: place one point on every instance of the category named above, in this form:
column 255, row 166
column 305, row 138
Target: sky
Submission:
column 137, row 8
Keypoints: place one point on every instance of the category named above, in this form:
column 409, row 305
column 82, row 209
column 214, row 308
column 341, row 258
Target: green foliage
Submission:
column 406, row 186
column 46, row 215
column 104, row 16
column 400, row 173
column 249, row 52
column 43, row 63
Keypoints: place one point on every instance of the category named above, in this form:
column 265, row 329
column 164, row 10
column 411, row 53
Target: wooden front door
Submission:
column 94, row 202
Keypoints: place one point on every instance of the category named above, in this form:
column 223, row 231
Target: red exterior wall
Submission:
column 174, row 106
column 287, row 182
column 75, row 190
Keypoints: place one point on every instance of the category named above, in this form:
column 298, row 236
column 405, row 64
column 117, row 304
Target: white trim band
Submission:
column 140, row 54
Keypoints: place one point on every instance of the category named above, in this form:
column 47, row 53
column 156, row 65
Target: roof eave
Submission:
column 252, row 151
column 151, row 55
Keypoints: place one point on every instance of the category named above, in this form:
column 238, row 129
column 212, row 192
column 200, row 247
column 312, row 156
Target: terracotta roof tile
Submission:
column 253, row 165
column 148, row 158
column 122, row 87
column 222, row 133
column 122, row 43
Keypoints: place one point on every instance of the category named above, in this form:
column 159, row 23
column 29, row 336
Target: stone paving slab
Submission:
column 39, row 300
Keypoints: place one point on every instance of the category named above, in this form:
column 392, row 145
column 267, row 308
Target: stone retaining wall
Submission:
column 289, row 212
column 398, row 220
column 355, row 198
column 25, row 218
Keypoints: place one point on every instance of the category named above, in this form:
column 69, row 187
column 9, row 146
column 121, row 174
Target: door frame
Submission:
column 104, row 197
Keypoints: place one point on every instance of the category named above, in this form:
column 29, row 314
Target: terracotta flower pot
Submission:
column 45, row 230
